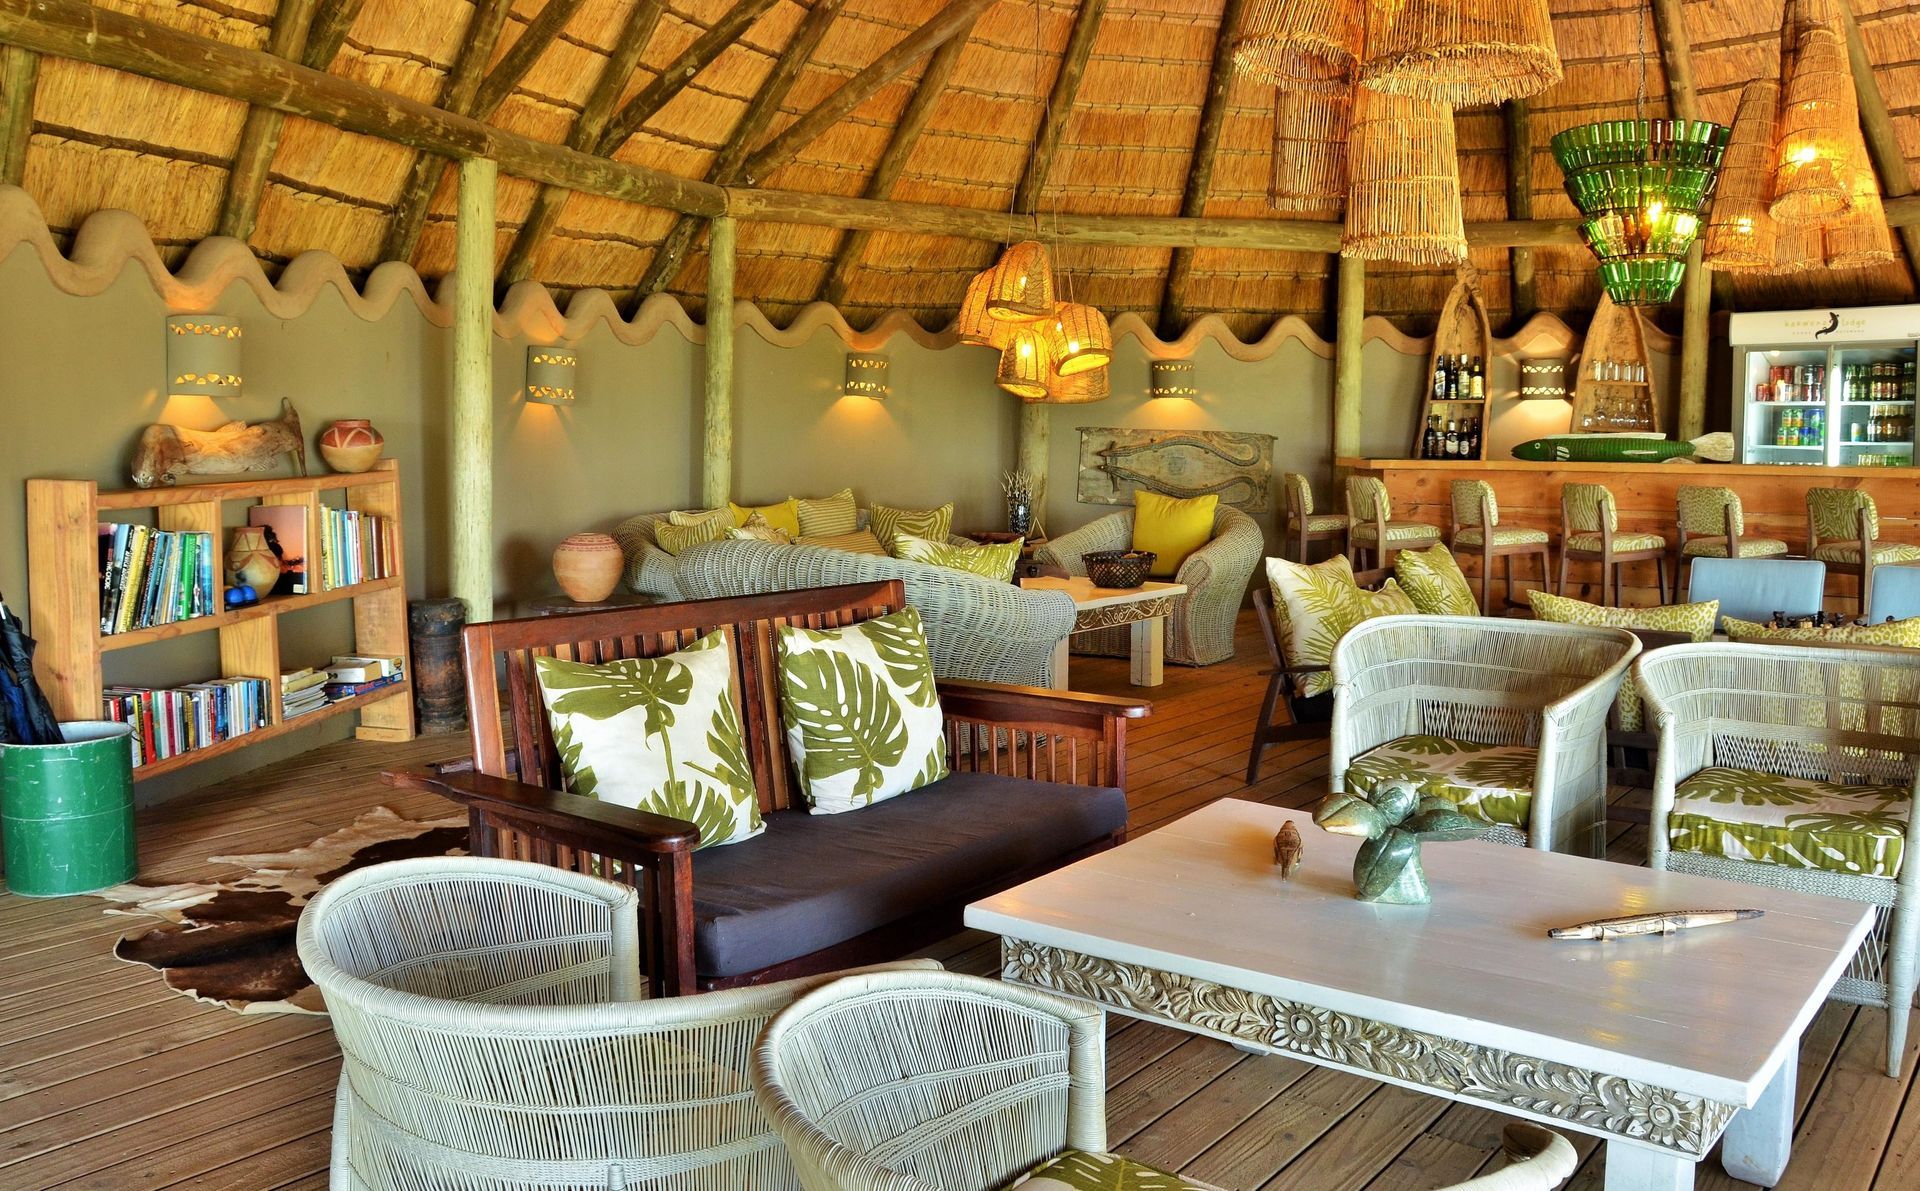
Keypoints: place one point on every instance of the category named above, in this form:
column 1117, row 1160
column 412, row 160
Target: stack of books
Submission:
column 302, row 691
column 176, row 720
column 153, row 576
column 350, row 677
column 354, row 547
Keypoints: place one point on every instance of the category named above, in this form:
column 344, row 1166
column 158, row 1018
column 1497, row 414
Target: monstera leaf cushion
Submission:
column 1316, row 605
column 1083, row 1170
column 1432, row 580
column 658, row 734
column 995, row 562
column 861, row 711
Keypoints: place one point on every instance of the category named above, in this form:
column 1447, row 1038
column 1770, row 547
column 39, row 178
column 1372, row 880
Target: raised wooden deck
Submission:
column 109, row 1081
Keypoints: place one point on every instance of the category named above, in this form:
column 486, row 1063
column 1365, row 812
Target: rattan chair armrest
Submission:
column 606, row 828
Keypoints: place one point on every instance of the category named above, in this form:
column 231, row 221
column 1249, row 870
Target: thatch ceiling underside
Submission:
column 105, row 139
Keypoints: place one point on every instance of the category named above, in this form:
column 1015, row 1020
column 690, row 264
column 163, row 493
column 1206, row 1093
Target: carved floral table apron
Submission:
column 1145, row 608
column 1658, row 1045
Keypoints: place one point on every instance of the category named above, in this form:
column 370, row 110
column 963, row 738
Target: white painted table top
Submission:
column 1086, row 595
column 1712, row 1011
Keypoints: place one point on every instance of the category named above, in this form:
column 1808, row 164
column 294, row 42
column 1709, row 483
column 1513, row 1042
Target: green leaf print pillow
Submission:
column 995, row 562
column 657, row 734
column 1316, row 605
column 860, row 710
column 1432, row 580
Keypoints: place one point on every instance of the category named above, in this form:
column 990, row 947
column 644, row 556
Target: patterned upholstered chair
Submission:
column 1794, row 767
column 1843, row 531
column 1303, row 526
column 1590, row 532
column 1374, row 529
column 1713, row 524
column 1477, row 530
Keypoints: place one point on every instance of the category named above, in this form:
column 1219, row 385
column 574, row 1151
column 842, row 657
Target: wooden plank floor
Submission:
column 109, row 1081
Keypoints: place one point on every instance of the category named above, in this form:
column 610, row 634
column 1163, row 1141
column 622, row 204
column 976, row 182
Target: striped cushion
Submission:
column 676, row 539
column 828, row 516
column 1749, row 548
column 889, row 523
column 1398, row 531
column 1883, row 552
column 858, row 542
column 1503, row 535
column 1325, row 522
column 724, row 517
column 1622, row 542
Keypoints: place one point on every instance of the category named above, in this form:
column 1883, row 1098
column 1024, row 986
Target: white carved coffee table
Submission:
column 1145, row 608
column 1658, row 1045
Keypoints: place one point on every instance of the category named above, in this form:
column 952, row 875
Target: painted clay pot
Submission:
column 351, row 445
column 250, row 562
column 588, row 567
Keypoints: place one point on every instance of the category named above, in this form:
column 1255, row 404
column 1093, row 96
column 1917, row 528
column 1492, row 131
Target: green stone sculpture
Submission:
column 1395, row 819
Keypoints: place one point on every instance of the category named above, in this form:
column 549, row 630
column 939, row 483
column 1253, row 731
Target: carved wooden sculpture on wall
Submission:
column 1235, row 465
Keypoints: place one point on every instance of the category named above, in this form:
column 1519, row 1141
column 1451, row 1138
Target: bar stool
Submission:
column 1373, row 527
column 1303, row 526
column 1713, row 524
column 1843, row 531
column 1476, row 528
column 1590, row 532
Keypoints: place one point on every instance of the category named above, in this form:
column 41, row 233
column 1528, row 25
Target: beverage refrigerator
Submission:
column 1830, row 388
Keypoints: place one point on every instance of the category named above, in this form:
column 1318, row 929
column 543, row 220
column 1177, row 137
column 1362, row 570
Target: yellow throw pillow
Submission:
column 1171, row 527
column 783, row 516
column 889, row 523
column 828, row 516
column 677, row 539
column 1904, row 633
column 857, row 542
column 1695, row 620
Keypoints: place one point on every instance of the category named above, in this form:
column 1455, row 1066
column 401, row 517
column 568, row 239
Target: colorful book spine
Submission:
column 170, row 721
column 152, row 577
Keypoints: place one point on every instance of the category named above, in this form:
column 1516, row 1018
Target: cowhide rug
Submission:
column 232, row 943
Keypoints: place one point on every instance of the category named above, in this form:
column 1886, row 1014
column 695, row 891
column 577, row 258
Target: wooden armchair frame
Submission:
column 1280, row 684
column 1610, row 560
column 1488, row 551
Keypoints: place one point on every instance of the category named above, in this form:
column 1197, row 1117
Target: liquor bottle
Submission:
column 1452, row 447
column 1430, row 446
column 1473, row 438
column 1479, row 380
column 1440, row 378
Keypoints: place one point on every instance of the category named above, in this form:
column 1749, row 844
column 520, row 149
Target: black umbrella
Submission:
column 25, row 715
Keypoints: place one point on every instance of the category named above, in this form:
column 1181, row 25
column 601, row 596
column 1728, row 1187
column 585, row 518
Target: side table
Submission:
column 560, row 605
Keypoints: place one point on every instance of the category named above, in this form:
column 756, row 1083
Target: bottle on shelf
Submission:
column 1479, row 378
column 1440, row 370
column 1450, row 449
column 1473, row 438
column 1430, row 444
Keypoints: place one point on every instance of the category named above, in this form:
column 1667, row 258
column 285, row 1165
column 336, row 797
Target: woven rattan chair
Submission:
column 1794, row 767
column 1843, row 531
column 1477, row 530
column 1590, row 532
column 486, row 1011
column 1302, row 526
column 1374, row 529
column 1505, row 718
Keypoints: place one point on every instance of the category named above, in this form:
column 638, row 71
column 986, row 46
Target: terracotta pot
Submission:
column 250, row 563
column 588, row 567
column 351, row 445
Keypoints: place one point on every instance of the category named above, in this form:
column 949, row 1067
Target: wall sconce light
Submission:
column 203, row 355
column 1543, row 380
column 550, row 372
column 867, row 376
column 1172, row 378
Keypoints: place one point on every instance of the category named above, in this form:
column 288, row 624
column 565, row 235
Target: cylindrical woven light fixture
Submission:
column 1024, row 366
column 1310, row 130
column 203, row 355
column 973, row 326
column 1860, row 238
column 1819, row 121
column 1404, row 203
column 1095, row 384
column 1020, row 285
column 1798, row 247
column 1741, row 231
column 1459, row 52
column 1171, row 378
column 550, row 373
column 867, row 376
column 1078, row 338
column 1298, row 42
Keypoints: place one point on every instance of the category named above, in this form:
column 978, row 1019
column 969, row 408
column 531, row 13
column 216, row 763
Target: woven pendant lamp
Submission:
column 1741, row 232
column 1024, row 366
column 1819, row 121
column 1460, row 52
column 1077, row 338
column 1860, row 239
column 1310, row 130
column 973, row 326
column 1404, row 203
column 1291, row 43
column 1020, row 286
column 1798, row 247
column 1078, row 389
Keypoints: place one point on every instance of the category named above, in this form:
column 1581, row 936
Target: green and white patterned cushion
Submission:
column 1365, row 494
column 1749, row 548
column 1470, row 497
column 828, row 516
column 722, row 516
column 678, row 539
column 1883, row 552
column 1299, row 493
column 1622, row 542
column 861, row 711
column 1503, row 535
column 1325, row 522
column 1084, row 1170
column 658, row 734
column 1432, row 580
column 1589, row 507
column 1398, row 531
column 1314, row 605
column 1835, row 513
column 1489, row 782
column 888, row 523
column 995, row 562
column 1766, row 818
column 1710, row 511
column 1695, row 620
column 1894, row 632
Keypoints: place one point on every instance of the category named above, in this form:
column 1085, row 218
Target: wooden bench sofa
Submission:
column 1036, row 783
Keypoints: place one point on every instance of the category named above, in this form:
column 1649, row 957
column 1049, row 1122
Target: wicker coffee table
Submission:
column 1144, row 608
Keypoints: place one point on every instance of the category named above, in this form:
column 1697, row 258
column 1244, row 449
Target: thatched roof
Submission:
column 104, row 139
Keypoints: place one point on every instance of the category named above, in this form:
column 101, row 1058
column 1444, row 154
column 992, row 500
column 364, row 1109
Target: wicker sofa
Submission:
column 652, row 571
column 1200, row 631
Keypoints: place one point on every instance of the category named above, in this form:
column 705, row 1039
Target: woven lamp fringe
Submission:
column 1020, row 285
column 1819, row 120
column 1460, row 52
column 1798, row 247
column 1078, row 389
column 1310, row 131
column 1404, row 203
column 1024, row 365
column 1741, row 233
column 1293, row 43
column 1860, row 239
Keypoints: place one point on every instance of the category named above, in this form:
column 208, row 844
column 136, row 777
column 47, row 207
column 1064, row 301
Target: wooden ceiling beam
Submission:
column 1206, row 146
column 540, row 33
column 260, row 135
column 957, row 15
column 548, row 201
column 1060, row 101
column 19, row 76
column 1519, row 123
column 906, row 134
column 1876, row 124
column 674, row 79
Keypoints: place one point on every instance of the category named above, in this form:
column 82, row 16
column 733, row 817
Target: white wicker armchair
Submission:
column 1795, row 767
column 1505, row 718
column 486, row 1013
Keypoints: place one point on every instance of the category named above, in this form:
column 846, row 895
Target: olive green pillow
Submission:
column 857, row 542
column 1315, row 605
column 1893, row 632
column 678, row 539
column 888, row 523
column 1695, row 620
column 995, row 562
column 828, row 516
column 1432, row 580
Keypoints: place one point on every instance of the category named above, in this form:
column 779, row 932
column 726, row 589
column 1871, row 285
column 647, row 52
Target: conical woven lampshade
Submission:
column 1024, row 366
column 1294, row 42
column 1860, row 238
column 1020, row 286
column 1798, row 247
column 1741, row 232
column 1404, row 203
column 1310, row 130
column 972, row 325
column 1078, row 339
column 1819, row 121
column 1459, row 52
column 1079, row 389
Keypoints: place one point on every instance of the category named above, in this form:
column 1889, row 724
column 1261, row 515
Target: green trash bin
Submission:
column 66, row 811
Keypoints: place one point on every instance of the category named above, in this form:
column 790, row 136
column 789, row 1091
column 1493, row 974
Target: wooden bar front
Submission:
column 1529, row 494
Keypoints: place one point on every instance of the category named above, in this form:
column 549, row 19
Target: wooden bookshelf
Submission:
column 63, row 518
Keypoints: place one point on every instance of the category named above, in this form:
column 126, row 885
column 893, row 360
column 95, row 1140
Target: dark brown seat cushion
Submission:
column 815, row 880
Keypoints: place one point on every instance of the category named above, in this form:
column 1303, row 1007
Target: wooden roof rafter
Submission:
column 674, row 79
column 1206, row 146
column 19, row 76
column 1059, row 109
column 1883, row 143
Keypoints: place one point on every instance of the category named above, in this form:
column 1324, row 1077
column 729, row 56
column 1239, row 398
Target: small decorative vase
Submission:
column 1019, row 517
column 1394, row 820
column 351, row 445
column 588, row 566
column 250, row 561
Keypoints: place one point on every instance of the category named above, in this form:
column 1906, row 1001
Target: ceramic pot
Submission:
column 250, row 562
column 588, row 567
column 351, row 445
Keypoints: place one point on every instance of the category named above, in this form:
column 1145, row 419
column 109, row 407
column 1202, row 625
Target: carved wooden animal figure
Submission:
column 1288, row 851
column 166, row 453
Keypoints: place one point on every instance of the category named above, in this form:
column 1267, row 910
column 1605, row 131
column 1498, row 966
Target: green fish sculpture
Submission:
column 1394, row 819
column 1717, row 447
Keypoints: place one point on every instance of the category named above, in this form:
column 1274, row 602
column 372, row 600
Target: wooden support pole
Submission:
column 1520, row 204
column 1876, row 124
column 19, row 74
column 1206, row 146
column 471, row 468
column 1349, row 312
column 1066, row 88
column 1696, row 290
column 1036, row 425
column 716, row 479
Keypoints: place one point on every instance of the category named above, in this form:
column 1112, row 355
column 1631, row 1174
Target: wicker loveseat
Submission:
column 1200, row 631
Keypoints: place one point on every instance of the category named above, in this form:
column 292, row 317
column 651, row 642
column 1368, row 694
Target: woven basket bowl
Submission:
column 1118, row 568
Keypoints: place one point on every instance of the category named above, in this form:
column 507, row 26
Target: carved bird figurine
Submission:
column 1288, row 850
